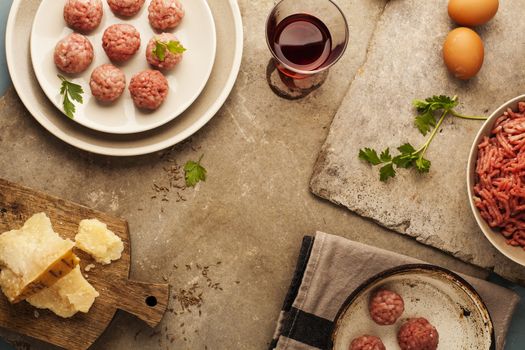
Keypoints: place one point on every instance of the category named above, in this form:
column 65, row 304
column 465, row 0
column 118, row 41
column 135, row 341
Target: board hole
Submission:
column 151, row 301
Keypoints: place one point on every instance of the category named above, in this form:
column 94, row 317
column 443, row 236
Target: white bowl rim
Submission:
column 489, row 233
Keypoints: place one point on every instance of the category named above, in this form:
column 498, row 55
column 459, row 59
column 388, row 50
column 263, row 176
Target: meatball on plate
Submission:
column 165, row 14
column 121, row 42
column 413, row 307
column 107, row 83
column 73, row 54
column 125, row 8
column 114, row 102
column 164, row 51
column 83, row 15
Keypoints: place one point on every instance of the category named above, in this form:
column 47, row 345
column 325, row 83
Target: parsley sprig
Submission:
column 71, row 92
column 425, row 121
column 172, row 46
column 194, row 172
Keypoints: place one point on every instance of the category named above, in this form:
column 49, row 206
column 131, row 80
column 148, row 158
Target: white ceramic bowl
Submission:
column 517, row 254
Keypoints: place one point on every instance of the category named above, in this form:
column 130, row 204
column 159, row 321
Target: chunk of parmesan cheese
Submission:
column 97, row 240
column 66, row 297
column 33, row 258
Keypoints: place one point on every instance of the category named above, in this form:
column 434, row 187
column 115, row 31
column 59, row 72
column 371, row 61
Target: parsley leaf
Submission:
column 71, row 92
column 406, row 148
column 369, row 155
column 159, row 51
column 404, row 160
column 175, row 47
column 435, row 102
column 161, row 47
column 194, row 172
column 423, row 165
column 425, row 121
column 386, row 172
column 385, row 156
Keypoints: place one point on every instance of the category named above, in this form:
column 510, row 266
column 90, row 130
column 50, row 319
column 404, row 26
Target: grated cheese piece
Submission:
column 33, row 258
column 69, row 295
column 97, row 240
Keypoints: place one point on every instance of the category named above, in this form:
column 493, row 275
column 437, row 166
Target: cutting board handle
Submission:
column 147, row 301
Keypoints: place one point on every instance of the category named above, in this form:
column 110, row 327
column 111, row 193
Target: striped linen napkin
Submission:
column 329, row 268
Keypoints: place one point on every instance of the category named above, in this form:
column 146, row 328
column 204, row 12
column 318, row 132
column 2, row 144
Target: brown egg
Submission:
column 472, row 13
column 463, row 53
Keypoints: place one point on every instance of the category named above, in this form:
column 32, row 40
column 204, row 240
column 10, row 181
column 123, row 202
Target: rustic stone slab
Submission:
column 404, row 62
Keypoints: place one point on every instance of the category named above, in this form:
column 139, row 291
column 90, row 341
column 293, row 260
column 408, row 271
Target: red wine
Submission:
column 302, row 42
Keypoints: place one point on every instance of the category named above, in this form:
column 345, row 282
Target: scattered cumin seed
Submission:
column 153, row 334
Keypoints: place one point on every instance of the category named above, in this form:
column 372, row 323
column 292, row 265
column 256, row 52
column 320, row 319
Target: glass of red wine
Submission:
column 306, row 37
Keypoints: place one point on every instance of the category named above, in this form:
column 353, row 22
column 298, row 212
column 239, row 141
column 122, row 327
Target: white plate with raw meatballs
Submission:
column 414, row 307
column 123, row 66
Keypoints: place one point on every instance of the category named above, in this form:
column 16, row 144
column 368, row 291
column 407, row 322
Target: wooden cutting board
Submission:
column 147, row 301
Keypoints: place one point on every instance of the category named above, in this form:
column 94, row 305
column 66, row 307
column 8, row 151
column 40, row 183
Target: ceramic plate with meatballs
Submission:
column 123, row 66
column 414, row 307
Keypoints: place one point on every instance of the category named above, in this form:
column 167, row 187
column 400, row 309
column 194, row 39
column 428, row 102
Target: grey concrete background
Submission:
column 405, row 62
column 250, row 215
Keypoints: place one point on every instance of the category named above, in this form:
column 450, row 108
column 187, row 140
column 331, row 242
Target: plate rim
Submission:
column 406, row 268
column 490, row 234
column 40, row 78
column 130, row 151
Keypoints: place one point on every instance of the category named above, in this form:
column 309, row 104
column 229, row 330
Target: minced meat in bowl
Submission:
column 496, row 179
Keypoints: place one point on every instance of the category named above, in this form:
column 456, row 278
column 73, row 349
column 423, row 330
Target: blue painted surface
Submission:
column 4, row 345
column 516, row 336
column 5, row 5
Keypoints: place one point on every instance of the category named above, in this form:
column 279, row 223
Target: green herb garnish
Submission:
column 425, row 121
column 71, row 92
column 194, row 172
column 172, row 46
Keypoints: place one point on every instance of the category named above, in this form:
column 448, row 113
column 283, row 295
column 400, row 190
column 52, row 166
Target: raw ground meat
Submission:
column 418, row 334
column 385, row 307
column 499, row 193
column 73, row 54
column 126, row 8
column 165, row 14
column 107, row 83
column 121, row 42
column 148, row 89
column 170, row 60
column 83, row 15
column 367, row 342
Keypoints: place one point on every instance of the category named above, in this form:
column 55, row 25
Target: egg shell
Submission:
column 472, row 13
column 463, row 53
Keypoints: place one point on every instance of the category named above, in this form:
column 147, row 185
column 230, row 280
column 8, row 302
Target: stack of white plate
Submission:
column 212, row 33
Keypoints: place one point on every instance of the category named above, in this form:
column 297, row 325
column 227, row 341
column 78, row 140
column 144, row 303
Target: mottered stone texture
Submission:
column 404, row 62
column 250, row 215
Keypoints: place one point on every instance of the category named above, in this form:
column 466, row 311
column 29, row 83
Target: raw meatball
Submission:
column 83, row 15
column 148, row 89
column 121, row 42
column 107, row 83
column 126, row 8
column 385, row 307
column 73, row 54
column 367, row 342
column 170, row 59
column 418, row 334
column 165, row 14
